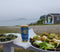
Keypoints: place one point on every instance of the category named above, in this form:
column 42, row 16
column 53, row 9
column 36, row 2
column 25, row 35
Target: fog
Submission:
column 13, row 9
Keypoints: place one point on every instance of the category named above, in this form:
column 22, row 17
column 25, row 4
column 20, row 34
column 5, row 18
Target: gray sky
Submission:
column 14, row 9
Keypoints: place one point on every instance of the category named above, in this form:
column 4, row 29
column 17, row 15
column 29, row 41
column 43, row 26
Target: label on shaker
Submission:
column 24, row 33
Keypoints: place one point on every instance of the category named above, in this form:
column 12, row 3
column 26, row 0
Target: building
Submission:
column 52, row 18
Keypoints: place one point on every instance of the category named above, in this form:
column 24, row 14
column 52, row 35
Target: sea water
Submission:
column 16, row 22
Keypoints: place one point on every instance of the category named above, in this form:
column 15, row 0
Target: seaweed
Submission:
column 8, row 37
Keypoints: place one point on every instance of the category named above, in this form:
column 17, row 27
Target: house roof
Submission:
column 54, row 13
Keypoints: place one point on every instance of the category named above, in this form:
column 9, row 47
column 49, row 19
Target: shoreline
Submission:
column 37, row 29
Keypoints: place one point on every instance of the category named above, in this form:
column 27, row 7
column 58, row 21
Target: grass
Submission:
column 1, row 50
column 12, row 31
column 8, row 31
column 42, row 24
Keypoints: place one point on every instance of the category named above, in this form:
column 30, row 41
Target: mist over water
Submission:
column 17, row 22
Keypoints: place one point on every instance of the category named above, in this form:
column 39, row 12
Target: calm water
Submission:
column 17, row 22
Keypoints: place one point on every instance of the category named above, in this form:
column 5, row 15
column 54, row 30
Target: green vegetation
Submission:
column 8, row 31
column 22, row 50
column 41, row 24
column 43, row 16
column 12, row 31
column 1, row 50
column 40, row 21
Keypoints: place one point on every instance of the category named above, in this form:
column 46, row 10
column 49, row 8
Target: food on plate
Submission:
column 47, row 41
column 2, row 35
column 8, row 37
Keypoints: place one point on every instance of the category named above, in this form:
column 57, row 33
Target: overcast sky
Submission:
column 12, row 9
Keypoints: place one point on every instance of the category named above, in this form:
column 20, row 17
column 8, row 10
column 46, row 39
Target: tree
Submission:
column 43, row 16
column 40, row 21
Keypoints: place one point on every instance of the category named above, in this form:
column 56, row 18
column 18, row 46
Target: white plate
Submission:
column 10, row 40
